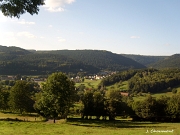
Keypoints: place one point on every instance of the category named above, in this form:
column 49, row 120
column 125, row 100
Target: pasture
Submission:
column 88, row 83
column 88, row 127
column 14, row 124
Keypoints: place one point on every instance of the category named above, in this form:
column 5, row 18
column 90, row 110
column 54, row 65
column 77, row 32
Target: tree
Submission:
column 19, row 99
column 3, row 98
column 57, row 96
column 146, row 109
column 98, row 104
column 113, row 103
column 88, row 103
column 15, row 8
column 173, row 107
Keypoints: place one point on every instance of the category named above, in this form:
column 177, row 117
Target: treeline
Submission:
column 110, row 104
column 57, row 95
column 157, row 109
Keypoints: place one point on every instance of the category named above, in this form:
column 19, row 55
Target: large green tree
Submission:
column 113, row 103
column 19, row 99
column 15, row 8
column 57, row 96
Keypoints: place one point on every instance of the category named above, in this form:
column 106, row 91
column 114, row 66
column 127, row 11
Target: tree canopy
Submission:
column 15, row 8
column 57, row 96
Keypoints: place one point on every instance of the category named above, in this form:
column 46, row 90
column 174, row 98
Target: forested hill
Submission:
column 14, row 60
column 145, row 59
column 9, row 53
column 170, row 62
column 103, row 60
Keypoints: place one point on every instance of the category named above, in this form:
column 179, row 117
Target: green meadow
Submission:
column 14, row 124
column 84, row 127
column 88, row 83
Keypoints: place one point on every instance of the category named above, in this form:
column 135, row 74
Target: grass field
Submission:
column 157, row 95
column 77, row 126
column 84, row 127
column 119, row 86
column 89, row 83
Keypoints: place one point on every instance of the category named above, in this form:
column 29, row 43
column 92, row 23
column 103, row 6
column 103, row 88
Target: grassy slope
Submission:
column 119, row 86
column 89, row 83
column 157, row 95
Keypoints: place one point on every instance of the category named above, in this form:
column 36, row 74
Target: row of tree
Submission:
column 58, row 94
column 161, row 109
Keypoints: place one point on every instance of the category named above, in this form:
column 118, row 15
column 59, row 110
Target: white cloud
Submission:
column 50, row 26
column 9, row 36
column 42, row 37
column 25, row 22
column 167, row 44
column 135, row 37
column 56, row 5
column 60, row 39
column 25, row 34
column 2, row 18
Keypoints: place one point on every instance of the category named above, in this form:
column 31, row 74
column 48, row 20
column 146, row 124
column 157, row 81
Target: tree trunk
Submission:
column 54, row 120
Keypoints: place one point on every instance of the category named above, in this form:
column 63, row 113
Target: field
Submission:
column 89, row 83
column 119, row 86
column 157, row 95
column 15, row 125
column 84, row 127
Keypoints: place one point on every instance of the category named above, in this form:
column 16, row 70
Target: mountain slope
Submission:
column 144, row 59
column 12, row 52
column 14, row 60
column 170, row 62
column 103, row 60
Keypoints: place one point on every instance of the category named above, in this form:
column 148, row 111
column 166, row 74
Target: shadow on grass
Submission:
column 11, row 119
column 113, row 124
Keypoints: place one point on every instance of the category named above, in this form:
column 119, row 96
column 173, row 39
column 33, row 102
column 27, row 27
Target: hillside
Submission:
column 170, row 62
column 15, row 60
column 103, row 60
column 144, row 59
column 9, row 53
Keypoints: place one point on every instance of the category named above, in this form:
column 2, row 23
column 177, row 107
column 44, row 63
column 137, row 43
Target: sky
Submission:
column 143, row 27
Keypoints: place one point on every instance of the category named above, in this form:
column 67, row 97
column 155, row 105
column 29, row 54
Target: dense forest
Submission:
column 102, row 59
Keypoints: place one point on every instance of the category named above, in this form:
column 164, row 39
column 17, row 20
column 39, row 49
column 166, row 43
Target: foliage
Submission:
column 155, row 81
column 15, row 8
column 19, row 98
column 113, row 103
column 118, row 77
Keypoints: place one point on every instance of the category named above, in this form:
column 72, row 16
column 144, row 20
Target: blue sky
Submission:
column 145, row 27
